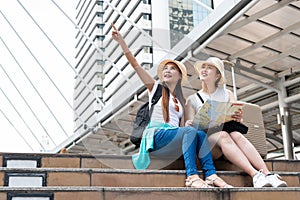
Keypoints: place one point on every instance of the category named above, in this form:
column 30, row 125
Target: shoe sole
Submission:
column 282, row 185
column 265, row 185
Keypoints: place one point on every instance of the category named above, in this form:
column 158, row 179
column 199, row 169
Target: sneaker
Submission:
column 260, row 180
column 275, row 180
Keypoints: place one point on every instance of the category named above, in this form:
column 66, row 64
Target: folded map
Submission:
column 213, row 113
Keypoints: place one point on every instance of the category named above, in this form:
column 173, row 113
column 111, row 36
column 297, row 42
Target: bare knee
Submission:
column 219, row 141
column 224, row 136
column 221, row 138
column 238, row 137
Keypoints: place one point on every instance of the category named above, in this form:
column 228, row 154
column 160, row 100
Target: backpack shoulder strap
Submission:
column 155, row 98
column 200, row 97
column 156, row 95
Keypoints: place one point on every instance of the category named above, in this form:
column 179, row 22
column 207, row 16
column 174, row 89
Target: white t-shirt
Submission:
column 157, row 114
column 219, row 95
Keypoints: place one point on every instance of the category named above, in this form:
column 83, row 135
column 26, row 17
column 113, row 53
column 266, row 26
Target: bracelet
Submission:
column 127, row 52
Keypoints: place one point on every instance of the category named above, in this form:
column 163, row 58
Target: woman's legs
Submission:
column 188, row 142
column 183, row 139
column 171, row 142
column 222, row 140
column 204, row 154
column 206, row 161
column 167, row 142
column 249, row 151
column 264, row 177
column 193, row 144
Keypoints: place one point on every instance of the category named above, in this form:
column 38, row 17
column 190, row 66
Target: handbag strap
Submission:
column 200, row 98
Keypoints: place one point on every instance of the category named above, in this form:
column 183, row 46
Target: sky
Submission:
column 37, row 48
column 36, row 81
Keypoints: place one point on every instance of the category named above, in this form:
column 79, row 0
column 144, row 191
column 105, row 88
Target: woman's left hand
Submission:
column 189, row 123
column 238, row 116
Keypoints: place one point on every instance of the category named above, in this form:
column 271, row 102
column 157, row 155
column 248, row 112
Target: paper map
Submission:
column 213, row 113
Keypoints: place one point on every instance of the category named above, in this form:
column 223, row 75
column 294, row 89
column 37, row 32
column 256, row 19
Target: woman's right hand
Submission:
column 116, row 35
column 238, row 116
column 145, row 77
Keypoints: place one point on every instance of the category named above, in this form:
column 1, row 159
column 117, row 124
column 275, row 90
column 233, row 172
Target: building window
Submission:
column 184, row 16
column 200, row 12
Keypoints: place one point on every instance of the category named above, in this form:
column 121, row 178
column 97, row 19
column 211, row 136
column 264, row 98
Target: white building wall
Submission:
column 161, row 29
column 106, row 72
column 107, row 82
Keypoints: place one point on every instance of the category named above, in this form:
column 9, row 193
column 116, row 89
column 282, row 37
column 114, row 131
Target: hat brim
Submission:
column 198, row 64
column 181, row 67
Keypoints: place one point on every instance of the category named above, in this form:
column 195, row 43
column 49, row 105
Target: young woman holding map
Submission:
column 235, row 147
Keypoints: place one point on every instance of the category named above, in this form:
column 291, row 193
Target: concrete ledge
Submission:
column 124, row 162
column 113, row 193
column 132, row 178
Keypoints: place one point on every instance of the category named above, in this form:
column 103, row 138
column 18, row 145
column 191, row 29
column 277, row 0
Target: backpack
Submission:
column 143, row 116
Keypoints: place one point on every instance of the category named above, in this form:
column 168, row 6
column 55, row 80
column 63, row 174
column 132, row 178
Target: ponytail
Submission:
column 165, row 102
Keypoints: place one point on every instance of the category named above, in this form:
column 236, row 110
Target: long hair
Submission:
column 218, row 81
column 166, row 96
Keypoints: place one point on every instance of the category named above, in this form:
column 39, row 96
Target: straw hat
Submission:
column 216, row 62
column 180, row 65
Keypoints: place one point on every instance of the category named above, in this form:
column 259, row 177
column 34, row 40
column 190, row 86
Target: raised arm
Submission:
column 145, row 77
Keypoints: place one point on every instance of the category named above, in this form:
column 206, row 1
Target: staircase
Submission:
column 103, row 177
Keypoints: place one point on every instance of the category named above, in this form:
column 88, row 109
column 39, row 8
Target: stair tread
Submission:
column 153, row 193
column 124, row 162
column 97, row 188
column 91, row 170
column 122, row 171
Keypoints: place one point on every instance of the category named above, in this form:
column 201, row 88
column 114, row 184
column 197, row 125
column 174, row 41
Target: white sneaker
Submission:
column 275, row 180
column 260, row 180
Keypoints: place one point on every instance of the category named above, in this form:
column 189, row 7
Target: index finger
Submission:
column 113, row 26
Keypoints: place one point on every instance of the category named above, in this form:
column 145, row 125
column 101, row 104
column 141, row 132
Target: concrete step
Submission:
column 104, row 177
column 166, row 193
column 121, row 162
column 118, row 178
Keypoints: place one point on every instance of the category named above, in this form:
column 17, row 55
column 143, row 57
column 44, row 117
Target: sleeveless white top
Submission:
column 157, row 114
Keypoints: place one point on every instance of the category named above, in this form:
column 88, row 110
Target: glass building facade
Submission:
column 185, row 15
